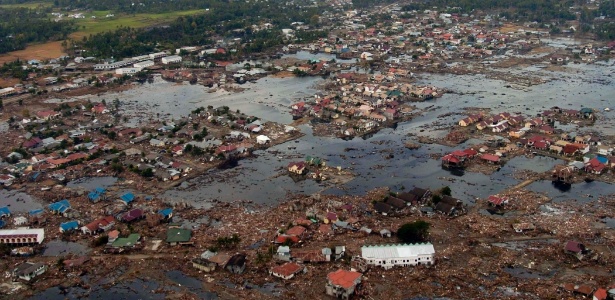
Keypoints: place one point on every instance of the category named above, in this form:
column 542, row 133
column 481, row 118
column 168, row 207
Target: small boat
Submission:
column 607, row 109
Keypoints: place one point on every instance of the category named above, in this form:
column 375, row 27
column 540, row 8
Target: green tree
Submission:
column 446, row 191
column 414, row 232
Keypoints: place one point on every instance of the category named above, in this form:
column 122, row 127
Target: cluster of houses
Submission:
column 303, row 167
column 218, row 133
column 363, row 103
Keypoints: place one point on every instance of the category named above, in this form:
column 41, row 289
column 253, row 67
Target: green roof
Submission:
column 129, row 241
column 178, row 235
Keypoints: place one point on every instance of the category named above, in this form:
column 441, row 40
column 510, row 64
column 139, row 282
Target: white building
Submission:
column 21, row 236
column 171, row 59
column 143, row 64
column 388, row 256
column 262, row 139
column 6, row 91
column 157, row 55
column 127, row 71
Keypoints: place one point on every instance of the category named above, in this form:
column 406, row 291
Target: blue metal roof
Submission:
column 128, row 197
column 4, row 211
column 602, row 159
column 166, row 212
column 35, row 212
column 2, row 223
column 61, row 206
column 96, row 193
column 69, row 225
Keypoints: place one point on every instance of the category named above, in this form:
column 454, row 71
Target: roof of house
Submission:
column 95, row 225
column 343, row 278
column 490, row 157
column 296, row 230
column 282, row 238
column 166, row 212
column 127, row 197
column 128, row 241
column 178, row 235
column 237, row 260
column 4, row 211
column 60, row 206
column 573, row 246
column 382, row 207
column 69, row 225
column 496, row 200
column 396, row 202
column 286, row 269
column 408, row 197
column 600, row 294
column 27, row 268
column 132, row 215
column 395, row 251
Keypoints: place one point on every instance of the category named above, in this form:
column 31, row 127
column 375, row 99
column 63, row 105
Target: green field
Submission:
column 101, row 23
column 31, row 5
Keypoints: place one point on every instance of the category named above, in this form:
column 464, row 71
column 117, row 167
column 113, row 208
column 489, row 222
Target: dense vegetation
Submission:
column 15, row 33
column 415, row 232
column 541, row 11
column 229, row 20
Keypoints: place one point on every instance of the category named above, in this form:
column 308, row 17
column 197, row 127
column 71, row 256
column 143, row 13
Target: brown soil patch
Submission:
column 282, row 74
column 39, row 51
column 6, row 82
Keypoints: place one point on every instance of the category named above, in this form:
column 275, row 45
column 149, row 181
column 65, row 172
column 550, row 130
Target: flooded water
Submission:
column 538, row 164
column 61, row 248
column 582, row 192
column 18, row 202
column 256, row 179
column 136, row 289
column 194, row 285
column 90, row 183
column 525, row 273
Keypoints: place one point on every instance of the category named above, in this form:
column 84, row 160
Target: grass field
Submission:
column 30, row 5
column 38, row 51
column 101, row 23
column 89, row 26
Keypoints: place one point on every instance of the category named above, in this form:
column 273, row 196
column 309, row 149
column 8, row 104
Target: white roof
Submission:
column 40, row 232
column 395, row 251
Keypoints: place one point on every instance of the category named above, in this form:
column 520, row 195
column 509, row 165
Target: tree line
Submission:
column 226, row 20
column 21, row 26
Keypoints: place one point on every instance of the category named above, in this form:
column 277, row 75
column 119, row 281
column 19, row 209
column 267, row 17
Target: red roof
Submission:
column 343, row 278
column 573, row 246
column 296, row 230
column 470, row 152
column 331, row 216
column 450, row 158
column 281, row 239
column 324, row 229
column 286, row 269
column 496, row 200
column 100, row 223
column 459, row 153
column 540, row 145
column 76, row 156
column 570, row 149
column 47, row 113
column 490, row 157
column 600, row 294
